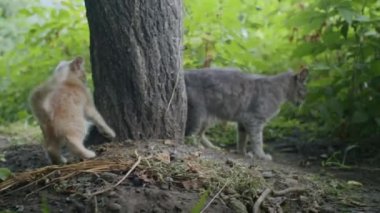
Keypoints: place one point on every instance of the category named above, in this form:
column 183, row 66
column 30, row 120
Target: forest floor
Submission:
column 168, row 177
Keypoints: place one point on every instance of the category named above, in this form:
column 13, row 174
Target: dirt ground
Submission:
column 180, row 178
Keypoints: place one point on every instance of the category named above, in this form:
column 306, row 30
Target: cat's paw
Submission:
column 261, row 156
column 63, row 160
column 89, row 154
column 267, row 157
column 109, row 133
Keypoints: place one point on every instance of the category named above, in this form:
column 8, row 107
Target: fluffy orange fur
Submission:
column 63, row 105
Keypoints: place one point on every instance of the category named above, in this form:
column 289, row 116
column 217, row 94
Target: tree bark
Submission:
column 136, row 56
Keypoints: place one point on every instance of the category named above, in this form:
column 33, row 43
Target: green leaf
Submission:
column 377, row 121
column 344, row 30
column 320, row 67
column 201, row 203
column 5, row 173
column 359, row 117
column 347, row 15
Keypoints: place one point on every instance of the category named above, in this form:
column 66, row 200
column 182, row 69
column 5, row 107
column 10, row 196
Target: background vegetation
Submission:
column 339, row 40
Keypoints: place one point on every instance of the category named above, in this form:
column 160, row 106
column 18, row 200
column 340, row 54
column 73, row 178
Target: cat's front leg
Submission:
column 241, row 144
column 256, row 138
column 94, row 116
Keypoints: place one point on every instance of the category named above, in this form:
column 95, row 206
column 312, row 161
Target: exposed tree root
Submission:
column 264, row 195
column 256, row 207
column 288, row 190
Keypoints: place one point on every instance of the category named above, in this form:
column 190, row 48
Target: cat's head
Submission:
column 298, row 90
column 68, row 70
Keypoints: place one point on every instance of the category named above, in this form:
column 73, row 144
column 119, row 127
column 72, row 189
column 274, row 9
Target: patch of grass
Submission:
column 211, row 175
column 223, row 134
column 201, row 202
column 338, row 190
column 282, row 126
column 44, row 205
column 4, row 173
column 21, row 133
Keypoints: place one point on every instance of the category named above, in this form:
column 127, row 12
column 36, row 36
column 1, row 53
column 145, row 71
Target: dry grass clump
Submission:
column 188, row 171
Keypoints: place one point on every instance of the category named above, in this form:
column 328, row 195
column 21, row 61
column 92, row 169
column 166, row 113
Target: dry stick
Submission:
column 256, row 207
column 95, row 205
column 291, row 189
column 216, row 195
column 121, row 180
column 279, row 209
column 39, row 189
column 33, row 182
column 172, row 95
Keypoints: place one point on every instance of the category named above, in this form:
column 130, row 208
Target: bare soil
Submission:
column 174, row 177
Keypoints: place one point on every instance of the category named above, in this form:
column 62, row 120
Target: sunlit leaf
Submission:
column 5, row 173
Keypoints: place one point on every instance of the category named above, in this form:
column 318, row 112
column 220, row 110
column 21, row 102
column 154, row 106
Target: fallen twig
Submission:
column 264, row 195
column 288, row 190
column 33, row 182
column 256, row 207
column 215, row 196
column 95, row 205
column 39, row 189
column 66, row 171
column 121, row 180
column 279, row 209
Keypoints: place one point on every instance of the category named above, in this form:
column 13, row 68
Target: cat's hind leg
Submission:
column 75, row 144
column 52, row 145
column 53, row 150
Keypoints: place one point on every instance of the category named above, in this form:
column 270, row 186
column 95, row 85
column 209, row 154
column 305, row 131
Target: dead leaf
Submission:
column 354, row 183
column 196, row 154
column 144, row 176
column 194, row 167
column 168, row 142
column 163, row 157
column 191, row 184
column 357, row 203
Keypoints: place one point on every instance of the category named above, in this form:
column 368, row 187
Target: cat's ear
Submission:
column 302, row 75
column 77, row 64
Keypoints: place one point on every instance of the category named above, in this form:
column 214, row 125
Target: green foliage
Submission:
column 10, row 24
column 44, row 205
column 201, row 202
column 4, row 173
column 224, row 134
column 52, row 33
column 339, row 40
column 237, row 33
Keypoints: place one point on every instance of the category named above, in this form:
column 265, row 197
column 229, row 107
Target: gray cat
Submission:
column 250, row 100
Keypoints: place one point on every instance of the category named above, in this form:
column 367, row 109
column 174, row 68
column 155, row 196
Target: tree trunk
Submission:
column 137, row 70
